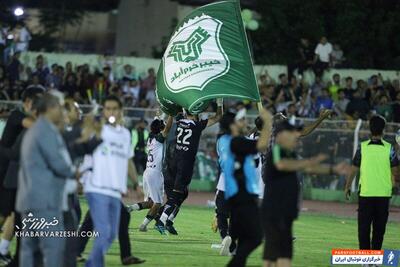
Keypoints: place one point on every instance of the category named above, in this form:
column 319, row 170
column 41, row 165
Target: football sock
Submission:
column 147, row 220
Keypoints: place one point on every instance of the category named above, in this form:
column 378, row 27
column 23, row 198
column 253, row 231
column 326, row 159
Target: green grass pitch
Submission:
column 316, row 236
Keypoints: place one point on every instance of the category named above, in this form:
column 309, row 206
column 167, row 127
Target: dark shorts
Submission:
column 278, row 239
column 7, row 201
column 245, row 222
column 184, row 173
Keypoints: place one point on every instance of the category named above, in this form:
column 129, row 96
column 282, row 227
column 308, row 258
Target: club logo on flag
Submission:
column 190, row 49
column 194, row 56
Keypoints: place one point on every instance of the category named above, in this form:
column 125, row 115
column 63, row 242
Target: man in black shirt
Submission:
column 188, row 133
column 282, row 192
column 241, row 182
column 305, row 61
column 17, row 121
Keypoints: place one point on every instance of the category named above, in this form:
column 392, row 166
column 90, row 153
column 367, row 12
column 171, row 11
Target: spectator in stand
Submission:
column 285, row 94
column 317, row 87
column 384, row 108
column 341, row 103
column 337, row 56
column 5, row 89
column 324, row 101
column 305, row 58
column 13, row 68
column 348, row 88
column 133, row 90
column 291, row 111
column 358, row 107
column 68, row 69
column 21, row 37
column 396, row 108
column 108, row 75
column 41, row 70
column 35, row 84
column 334, row 88
column 322, row 59
column 54, row 78
column 70, row 86
column 129, row 73
column 304, row 106
column 296, row 87
column 3, row 40
column 268, row 96
column 148, row 86
column 265, row 79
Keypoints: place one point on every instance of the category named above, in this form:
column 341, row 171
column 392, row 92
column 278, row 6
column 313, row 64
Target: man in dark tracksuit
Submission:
column 376, row 161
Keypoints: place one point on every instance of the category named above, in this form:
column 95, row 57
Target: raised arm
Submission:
column 265, row 134
column 167, row 126
column 217, row 117
column 310, row 128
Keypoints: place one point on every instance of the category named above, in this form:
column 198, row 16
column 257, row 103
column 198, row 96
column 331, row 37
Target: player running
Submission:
column 188, row 133
column 153, row 180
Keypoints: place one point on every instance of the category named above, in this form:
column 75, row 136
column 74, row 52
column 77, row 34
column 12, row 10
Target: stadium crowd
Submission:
column 349, row 98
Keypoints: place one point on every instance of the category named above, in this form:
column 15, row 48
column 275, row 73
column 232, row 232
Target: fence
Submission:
column 337, row 139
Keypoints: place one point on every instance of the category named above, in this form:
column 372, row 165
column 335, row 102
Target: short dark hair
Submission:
column 227, row 119
column 45, row 102
column 30, row 94
column 156, row 126
column 377, row 124
column 282, row 75
column 340, row 91
column 113, row 98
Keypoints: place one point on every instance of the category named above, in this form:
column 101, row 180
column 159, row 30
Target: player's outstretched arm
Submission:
column 213, row 120
column 265, row 134
column 310, row 128
column 167, row 126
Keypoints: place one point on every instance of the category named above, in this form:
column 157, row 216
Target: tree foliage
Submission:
column 367, row 30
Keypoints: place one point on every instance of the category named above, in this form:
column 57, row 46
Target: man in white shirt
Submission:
column 111, row 163
column 322, row 59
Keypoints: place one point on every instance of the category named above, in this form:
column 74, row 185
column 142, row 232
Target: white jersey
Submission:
column 221, row 182
column 258, row 160
column 109, row 161
column 155, row 152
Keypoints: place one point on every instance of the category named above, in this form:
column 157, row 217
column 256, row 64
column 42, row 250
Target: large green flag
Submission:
column 207, row 57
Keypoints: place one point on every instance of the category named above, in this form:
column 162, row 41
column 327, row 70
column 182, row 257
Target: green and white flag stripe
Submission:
column 207, row 57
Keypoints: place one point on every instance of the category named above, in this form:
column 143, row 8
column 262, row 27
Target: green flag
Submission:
column 207, row 57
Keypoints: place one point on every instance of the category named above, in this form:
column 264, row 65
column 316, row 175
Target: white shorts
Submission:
column 153, row 185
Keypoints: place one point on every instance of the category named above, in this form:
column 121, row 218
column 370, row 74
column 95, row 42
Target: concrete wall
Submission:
column 142, row 24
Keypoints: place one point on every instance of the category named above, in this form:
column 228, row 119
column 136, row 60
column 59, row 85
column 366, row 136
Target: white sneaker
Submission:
column 142, row 228
column 226, row 243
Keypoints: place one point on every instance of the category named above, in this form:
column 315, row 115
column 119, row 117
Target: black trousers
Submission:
column 123, row 233
column 223, row 213
column 245, row 226
column 372, row 211
column 301, row 66
column 320, row 67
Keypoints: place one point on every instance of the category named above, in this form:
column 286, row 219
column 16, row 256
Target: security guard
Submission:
column 376, row 161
